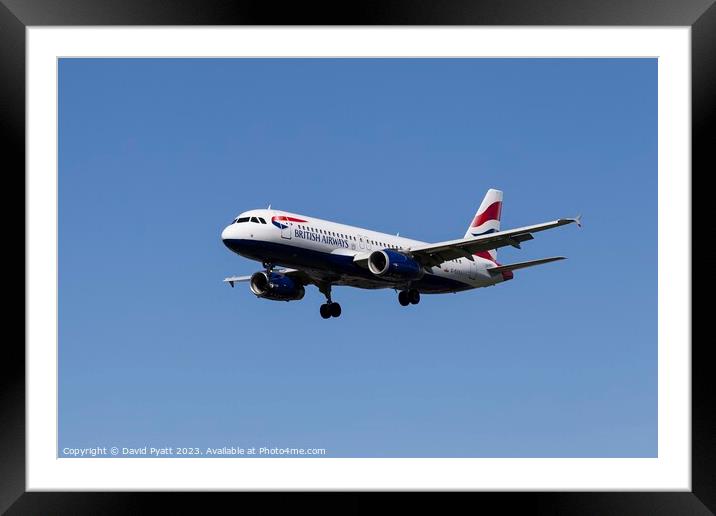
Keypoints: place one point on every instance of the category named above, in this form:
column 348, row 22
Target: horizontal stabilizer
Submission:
column 434, row 254
column 522, row 265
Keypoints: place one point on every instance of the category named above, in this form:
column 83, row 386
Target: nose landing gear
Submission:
column 409, row 297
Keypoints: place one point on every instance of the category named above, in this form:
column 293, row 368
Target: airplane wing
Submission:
column 298, row 275
column 236, row 279
column 435, row 254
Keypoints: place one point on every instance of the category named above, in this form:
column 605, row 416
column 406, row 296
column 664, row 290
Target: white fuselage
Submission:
column 332, row 251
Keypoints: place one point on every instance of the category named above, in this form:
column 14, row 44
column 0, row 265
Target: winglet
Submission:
column 577, row 220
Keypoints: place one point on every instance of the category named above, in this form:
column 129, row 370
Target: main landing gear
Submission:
column 329, row 309
column 409, row 297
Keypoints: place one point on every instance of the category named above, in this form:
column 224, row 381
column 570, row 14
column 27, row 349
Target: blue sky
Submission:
column 157, row 156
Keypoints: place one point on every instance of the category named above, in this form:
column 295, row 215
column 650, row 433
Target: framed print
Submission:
column 158, row 144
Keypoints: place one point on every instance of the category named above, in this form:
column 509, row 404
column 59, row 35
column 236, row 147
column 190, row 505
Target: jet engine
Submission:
column 392, row 265
column 276, row 287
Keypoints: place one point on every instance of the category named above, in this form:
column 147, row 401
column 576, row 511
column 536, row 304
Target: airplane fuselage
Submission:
column 329, row 251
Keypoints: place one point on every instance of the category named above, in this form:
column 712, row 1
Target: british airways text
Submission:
column 329, row 240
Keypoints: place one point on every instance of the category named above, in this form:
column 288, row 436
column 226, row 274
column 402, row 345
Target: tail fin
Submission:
column 487, row 218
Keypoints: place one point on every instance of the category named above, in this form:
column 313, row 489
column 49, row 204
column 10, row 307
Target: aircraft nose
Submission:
column 225, row 233
column 234, row 237
column 229, row 235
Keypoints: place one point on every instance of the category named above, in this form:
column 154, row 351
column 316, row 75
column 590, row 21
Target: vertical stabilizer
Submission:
column 487, row 218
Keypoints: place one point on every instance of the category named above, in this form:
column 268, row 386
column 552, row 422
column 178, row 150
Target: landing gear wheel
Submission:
column 329, row 309
column 325, row 311
column 403, row 298
column 335, row 309
column 413, row 296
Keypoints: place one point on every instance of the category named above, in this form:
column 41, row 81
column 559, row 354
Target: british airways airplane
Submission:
column 318, row 252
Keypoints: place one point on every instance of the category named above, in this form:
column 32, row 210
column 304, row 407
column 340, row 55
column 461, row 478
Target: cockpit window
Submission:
column 254, row 219
column 242, row 219
column 261, row 220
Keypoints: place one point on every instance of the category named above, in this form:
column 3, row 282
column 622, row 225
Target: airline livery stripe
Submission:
column 289, row 219
column 491, row 213
column 486, row 255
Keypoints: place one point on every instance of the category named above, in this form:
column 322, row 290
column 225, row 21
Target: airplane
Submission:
column 312, row 251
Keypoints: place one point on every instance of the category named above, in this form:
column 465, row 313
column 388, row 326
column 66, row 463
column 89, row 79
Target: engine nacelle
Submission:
column 392, row 265
column 276, row 287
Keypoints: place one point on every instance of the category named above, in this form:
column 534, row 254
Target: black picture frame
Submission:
column 16, row 15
